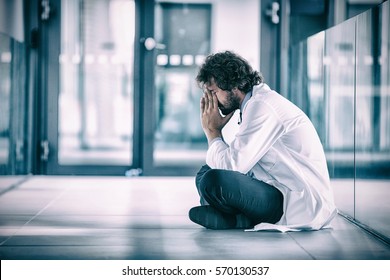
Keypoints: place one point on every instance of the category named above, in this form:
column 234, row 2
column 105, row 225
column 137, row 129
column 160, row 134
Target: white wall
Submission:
column 236, row 27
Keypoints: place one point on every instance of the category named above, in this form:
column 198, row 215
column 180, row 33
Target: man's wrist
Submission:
column 211, row 135
column 214, row 140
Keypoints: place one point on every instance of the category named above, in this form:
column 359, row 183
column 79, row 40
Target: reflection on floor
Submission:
column 146, row 218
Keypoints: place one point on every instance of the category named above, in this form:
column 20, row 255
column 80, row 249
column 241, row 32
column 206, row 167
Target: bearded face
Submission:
column 228, row 102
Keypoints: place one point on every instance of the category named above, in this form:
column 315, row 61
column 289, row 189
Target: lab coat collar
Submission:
column 248, row 95
column 261, row 88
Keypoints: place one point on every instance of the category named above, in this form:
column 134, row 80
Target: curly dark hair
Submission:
column 228, row 70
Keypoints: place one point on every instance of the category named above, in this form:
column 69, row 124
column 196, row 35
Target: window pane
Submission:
column 339, row 63
column 13, row 144
column 186, row 33
column 5, row 95
column 96, row 87
column 373, row 120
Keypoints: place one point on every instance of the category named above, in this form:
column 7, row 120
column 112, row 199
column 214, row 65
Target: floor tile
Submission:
column 9, row 181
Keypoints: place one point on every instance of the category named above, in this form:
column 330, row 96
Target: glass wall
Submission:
column 12, row 106
column 5, row 96
column 340, row 78
column 96, row 84
column 372, row 185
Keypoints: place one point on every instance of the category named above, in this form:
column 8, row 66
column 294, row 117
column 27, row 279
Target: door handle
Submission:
column 151, row 44
column 19, row 146
column 272, row 12
column 45, row 9
column 45, row 150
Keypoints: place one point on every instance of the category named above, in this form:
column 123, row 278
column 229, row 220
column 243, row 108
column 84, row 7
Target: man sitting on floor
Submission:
column 273, row 175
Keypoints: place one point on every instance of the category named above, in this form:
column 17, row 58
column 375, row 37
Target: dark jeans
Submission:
column 235, row 193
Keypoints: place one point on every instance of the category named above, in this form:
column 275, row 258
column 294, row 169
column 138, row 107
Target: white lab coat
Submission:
column 277, row 143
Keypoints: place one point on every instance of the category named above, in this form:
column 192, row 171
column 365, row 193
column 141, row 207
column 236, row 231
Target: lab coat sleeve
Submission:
column 260, row 129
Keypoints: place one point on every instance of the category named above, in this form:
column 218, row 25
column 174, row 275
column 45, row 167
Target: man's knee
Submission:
column 210, row 175
column 200, row 174
column 206, row 177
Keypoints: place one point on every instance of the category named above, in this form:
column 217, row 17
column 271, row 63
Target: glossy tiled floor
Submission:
column 146, row 218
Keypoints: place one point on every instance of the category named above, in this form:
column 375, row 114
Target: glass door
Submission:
column 178, row 137
column 119, row 82
column 91, row 112
column 182, row 34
